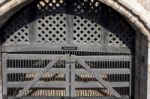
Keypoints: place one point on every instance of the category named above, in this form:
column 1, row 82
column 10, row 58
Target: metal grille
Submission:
column 17, row 32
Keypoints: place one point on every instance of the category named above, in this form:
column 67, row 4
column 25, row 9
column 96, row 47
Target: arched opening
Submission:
column 67, row 48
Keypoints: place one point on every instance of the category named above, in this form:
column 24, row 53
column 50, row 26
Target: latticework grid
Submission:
column 86, row 32
column 17, row 32
column 120, row 34
column 86, row 7
column 46, row 7
column 51, row 29
column 52, row 25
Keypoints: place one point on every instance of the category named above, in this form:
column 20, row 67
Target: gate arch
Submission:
column 84, row 28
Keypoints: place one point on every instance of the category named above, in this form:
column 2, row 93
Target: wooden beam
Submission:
column 43, row 71
column 98, row 77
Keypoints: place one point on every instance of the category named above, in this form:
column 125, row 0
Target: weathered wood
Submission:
column 79, row 27
column 67, row 77
column 104, row 71
column 35, row 70
column 116, row 58
column 47, row 68
column 73, row 78
column 58, row 47
column 98, row 77
column 97, row 84
column 4, row 68
column 69, row 25
column 33, row 56
column 51, row 84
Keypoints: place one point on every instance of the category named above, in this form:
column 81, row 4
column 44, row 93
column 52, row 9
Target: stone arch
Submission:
column 137, row 16
column 138, row 23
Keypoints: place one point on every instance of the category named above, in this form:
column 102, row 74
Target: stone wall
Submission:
column 141, row 67
column 145, row 3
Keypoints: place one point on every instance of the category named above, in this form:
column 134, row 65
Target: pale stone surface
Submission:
column 137, row 9
column 145, row 3
column 1, row 1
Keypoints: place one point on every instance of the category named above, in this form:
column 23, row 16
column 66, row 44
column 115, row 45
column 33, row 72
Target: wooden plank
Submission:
column 4, row 75
column 58, row 47
column 105, row 58
column 67, row 77
column 97, row 85
column 104, row 71
column 33, row 56
column 69, row 27
column 98, row 77
column 46, row 69
column 34, row 70
column 72, row 79
column 51, row 84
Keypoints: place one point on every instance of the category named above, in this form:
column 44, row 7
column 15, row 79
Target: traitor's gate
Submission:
column 58, row 49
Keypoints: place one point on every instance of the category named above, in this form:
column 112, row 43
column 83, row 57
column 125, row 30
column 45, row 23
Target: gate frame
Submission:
column 70, row 75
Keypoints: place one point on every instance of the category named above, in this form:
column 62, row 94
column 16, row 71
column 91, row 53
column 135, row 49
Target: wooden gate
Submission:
column 67, row 49
column 27, row 76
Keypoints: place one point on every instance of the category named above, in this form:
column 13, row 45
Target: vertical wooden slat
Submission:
column 73, row 77
column 67, row 76
column 4, row 65
column 69, row 20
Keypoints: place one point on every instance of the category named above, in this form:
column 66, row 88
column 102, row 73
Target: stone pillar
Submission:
column 148, row 74
column 141, row 67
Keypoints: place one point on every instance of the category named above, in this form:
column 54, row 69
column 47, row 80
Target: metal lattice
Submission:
column 51, row 29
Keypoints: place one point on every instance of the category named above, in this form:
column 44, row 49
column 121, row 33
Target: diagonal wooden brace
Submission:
column 40, row 74
column 100, row 80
